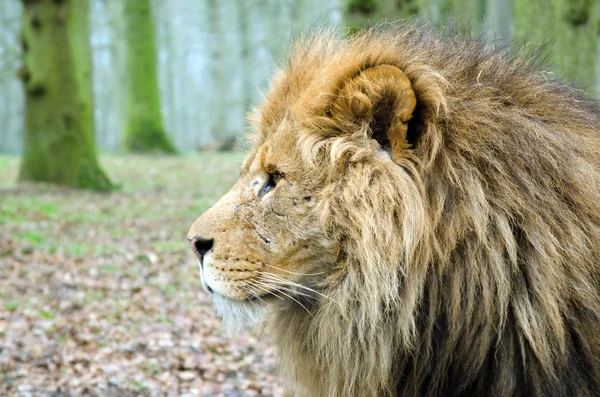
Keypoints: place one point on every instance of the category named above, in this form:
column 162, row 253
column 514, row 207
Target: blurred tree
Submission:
column 498, row 17
column 12, row 99
column 465, row 14
column 144, row 131
column 569, row 30
column 109, row 57
column 220, row 72
column 360, row 11
column 59, row 138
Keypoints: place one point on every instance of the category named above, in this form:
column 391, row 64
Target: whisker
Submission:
column 274, row 277
column 254, row 293
column 286, row 288
column 272, row 291
column 236, row 288
column 269, row 291
column 298, row 302
column 290, row 272
column 271, row 288
column 278, row 279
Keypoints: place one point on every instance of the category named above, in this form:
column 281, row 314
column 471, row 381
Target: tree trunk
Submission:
column 466, row 15
column 11, row 93
column 59, row 138
column 498, row 16
column 227, row 70
column 218, row 52
column 567, row 29
column 357, row 12
column 597, row 76
column 144, row 131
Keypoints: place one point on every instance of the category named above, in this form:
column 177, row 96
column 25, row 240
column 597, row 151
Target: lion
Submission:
column 419, row 215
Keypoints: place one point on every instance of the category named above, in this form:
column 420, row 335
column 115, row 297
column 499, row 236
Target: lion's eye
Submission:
column 272, row 181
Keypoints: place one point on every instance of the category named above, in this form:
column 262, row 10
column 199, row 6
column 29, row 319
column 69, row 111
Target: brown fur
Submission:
column 447, row 249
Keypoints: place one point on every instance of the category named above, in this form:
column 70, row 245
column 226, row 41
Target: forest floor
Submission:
column 100, row 294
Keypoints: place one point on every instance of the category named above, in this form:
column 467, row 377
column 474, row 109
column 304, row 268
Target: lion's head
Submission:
column 265, row 240
column 417, row 216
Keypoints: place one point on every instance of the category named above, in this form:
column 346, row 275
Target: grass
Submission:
column 109, row 269
column 11, row 305
column 166, row 189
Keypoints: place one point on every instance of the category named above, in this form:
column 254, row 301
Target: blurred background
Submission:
column 120, row 122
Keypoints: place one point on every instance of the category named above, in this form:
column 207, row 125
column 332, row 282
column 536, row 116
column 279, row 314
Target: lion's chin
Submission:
column 238, row 315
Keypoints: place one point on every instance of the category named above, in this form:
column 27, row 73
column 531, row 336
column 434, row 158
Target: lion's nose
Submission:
column 201, row 246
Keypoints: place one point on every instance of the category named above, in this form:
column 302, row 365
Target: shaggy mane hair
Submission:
column 471, row 267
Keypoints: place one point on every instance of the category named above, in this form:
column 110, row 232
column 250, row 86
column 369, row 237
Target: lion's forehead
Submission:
column 276, row 151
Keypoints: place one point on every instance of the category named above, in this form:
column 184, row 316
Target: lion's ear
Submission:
column 381, row 96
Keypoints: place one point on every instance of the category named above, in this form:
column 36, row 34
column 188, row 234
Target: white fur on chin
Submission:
column 240, row 315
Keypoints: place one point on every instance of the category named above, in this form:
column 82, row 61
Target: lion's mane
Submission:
column 475, row 270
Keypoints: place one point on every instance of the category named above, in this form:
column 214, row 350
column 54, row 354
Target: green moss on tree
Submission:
column 578, row 12
column 366, row 7
column 361, row 12
column 59, row 137
column 144, row 131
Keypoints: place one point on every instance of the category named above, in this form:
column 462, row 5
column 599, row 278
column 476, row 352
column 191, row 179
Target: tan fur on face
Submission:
column 436, row 228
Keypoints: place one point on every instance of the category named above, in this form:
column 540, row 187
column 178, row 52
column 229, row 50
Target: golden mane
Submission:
column 475, row 269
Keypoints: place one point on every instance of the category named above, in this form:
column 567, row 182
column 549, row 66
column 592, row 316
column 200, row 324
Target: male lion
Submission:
column 418, row 216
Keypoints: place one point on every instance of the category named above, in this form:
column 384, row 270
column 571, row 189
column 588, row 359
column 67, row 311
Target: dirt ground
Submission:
column 100, row 294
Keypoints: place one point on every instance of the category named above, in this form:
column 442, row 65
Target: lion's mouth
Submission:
column 246, row 294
